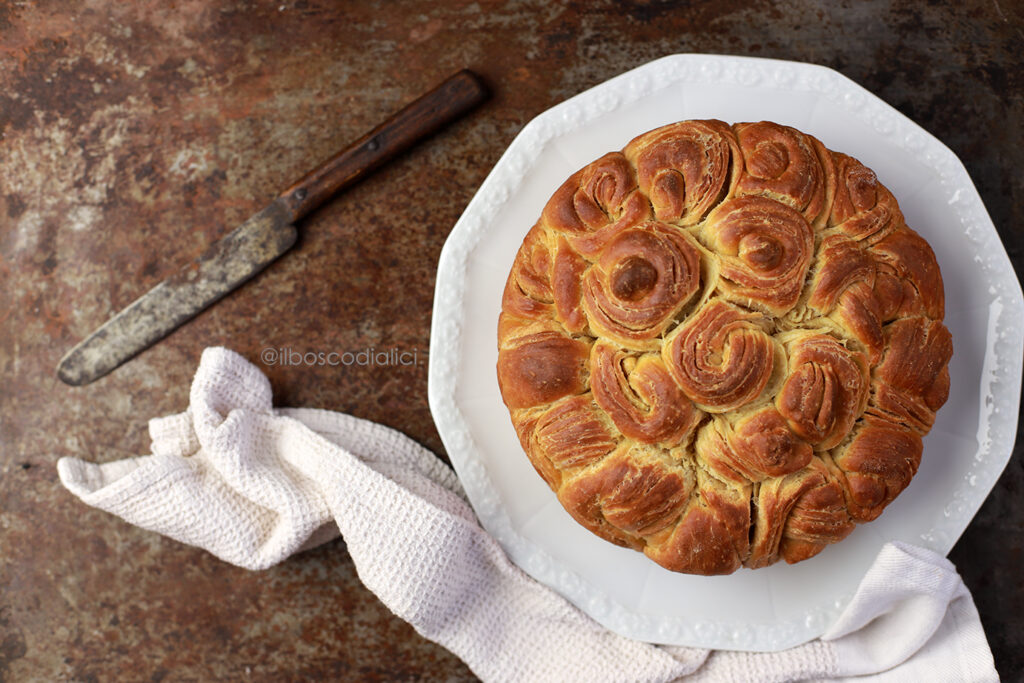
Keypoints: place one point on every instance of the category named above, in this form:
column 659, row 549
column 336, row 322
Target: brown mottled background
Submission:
column 132, row 134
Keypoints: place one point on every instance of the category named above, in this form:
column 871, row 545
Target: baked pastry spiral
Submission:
column 722, row 345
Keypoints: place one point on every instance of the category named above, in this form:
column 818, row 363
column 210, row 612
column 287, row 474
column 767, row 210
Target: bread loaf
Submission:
column 722, row 346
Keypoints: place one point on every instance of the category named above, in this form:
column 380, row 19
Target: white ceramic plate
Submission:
column 781, row 606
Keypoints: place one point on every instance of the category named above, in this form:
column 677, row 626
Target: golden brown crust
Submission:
column 721, row 356
column 798, row 515
column 685, row 168
column 540, row 365
column 631, row 495
column 913, row 263
column 764, row 250
column 876, row 465
column 571, row 433
column 722, row 345
column 640, row 397
column 912, row 381
column 567, row 287
column 597, row 203
column 528, row 288
column 782, row 163
column 863, row 208
column 841, row 264
column 759, row 447
column 644, row 276
column 711, row 537
column 826, row 388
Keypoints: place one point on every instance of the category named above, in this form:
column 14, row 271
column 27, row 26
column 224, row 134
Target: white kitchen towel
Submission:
column 253, row 485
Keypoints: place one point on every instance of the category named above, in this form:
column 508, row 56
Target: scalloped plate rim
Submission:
column 446, row 330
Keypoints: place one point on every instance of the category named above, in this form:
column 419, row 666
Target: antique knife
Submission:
column 251, row 246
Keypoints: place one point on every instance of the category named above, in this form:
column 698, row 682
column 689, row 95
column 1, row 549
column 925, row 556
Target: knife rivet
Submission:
column 300, row 193
column 373, row 145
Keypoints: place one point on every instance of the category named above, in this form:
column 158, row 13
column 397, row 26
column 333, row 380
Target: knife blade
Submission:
column 253, row 245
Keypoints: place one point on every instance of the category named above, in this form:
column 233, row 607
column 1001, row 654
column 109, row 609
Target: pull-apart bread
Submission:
column 722, row 345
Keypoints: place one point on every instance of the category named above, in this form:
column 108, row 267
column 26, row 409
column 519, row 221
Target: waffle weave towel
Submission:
column 254, row 485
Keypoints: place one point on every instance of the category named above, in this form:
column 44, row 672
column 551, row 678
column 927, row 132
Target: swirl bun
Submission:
column 644, row 276
column 722, row 346
column 783, row 164
column 721, row 356
column 640, row 396
column 597, row 203
column 684, row 168
column 826, row 389
column 764, row 248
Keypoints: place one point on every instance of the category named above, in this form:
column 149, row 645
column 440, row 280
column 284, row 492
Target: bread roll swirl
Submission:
column 722, row 346
column 640, row 397
column 528, row 288
column 597, row 203
column 633, row 494
column 863, row 209
column 644, row 276
column 764, row 249
column 826, row 389
column 761, row 446
column 785, row 165
column 721, row 356
column 684, row 168
column 571, row 433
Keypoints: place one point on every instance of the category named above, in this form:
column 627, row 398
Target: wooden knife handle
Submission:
column 425, row 116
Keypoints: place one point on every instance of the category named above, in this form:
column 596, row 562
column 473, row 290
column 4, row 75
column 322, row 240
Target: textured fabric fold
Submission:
column 254, row 485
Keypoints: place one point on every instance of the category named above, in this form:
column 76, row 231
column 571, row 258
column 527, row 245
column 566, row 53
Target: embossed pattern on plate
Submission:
column 780, row 606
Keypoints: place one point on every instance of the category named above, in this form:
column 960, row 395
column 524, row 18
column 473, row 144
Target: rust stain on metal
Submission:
column 133, row 134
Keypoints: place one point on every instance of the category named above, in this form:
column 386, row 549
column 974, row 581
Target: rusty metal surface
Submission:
column 132, row 135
